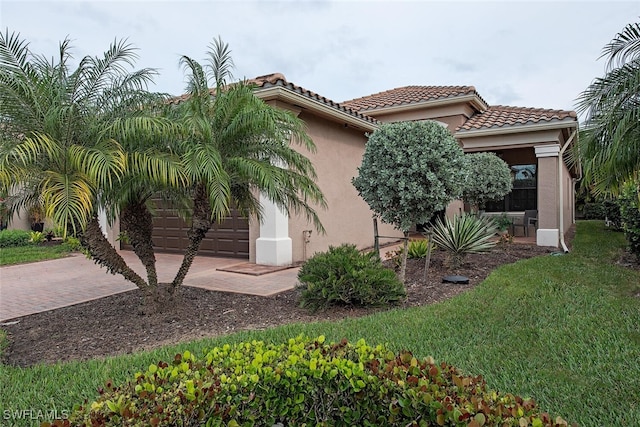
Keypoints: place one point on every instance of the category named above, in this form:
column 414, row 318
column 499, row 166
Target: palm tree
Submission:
column 235, row 147
column 609, row 147
column 95, row 138
column 58, row 143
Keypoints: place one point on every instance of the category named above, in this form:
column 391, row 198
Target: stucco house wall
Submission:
column 347, row 219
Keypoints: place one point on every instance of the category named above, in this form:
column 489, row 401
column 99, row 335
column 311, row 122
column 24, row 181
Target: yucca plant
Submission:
column 462, row 235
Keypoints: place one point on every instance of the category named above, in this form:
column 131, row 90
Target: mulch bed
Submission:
column 112, row 325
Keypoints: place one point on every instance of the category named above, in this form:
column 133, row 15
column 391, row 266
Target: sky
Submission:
column 521, row 53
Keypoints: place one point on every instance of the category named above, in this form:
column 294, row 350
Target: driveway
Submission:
column 46, row 285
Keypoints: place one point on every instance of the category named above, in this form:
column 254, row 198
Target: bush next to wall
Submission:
column 630, row 216
column 307, row 382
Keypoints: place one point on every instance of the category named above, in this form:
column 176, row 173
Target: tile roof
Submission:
column 408, row 95
column 500, row 116
column 277, row 79
column 494, row 117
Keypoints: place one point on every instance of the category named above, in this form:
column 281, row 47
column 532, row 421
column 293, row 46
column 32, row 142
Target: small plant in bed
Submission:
column 345, row 276
column 465, row 234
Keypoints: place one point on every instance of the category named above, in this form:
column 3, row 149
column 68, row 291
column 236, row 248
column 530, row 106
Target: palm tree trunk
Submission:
column 201, row 223
column 105, row 255
column 137, row 222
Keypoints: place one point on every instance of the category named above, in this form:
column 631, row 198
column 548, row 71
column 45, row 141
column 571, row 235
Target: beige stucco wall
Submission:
column 347, row 218
column 548, row 192
column 453, row 115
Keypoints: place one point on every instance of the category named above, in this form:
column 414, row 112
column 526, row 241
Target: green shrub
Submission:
column 72, row 244
column 463, row 235
column 345, row 276
column 630, row 216
column 9, row 238
column 606, row 209
column 416, row 249
column 502, row 222
column 36, row 237
column 306, row 382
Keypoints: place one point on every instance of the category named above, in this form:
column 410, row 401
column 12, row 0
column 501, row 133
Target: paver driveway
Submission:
column 46, row 285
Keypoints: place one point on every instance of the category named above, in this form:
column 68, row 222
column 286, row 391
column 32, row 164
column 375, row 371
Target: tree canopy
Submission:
column 609, row 147
column 488, row 179
column 410, row 171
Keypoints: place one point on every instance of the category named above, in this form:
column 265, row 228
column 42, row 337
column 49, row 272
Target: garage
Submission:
column 229, row 239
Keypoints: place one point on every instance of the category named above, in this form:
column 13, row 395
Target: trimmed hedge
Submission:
column 307, row 382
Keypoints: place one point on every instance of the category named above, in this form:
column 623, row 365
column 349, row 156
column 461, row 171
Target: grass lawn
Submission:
column 31, row 253
column 564, row 330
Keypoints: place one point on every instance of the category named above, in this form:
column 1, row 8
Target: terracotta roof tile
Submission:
column 407, row 95
column 278, row 79
column 499, row 116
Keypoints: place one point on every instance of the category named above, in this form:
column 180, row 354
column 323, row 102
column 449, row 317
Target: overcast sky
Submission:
column 531, row 54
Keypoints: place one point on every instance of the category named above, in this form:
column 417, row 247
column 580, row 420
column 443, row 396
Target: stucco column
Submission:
column 111, row 232
column 274, row 246
column 548, row 222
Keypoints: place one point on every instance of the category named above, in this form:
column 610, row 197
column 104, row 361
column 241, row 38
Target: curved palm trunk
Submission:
column 105, row 255
column 201, row 223
column 137, row 221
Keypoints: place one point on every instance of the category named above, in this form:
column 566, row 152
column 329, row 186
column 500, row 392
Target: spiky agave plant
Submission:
column 462, row 235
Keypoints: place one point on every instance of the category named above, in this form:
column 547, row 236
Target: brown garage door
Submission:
column 228, row 239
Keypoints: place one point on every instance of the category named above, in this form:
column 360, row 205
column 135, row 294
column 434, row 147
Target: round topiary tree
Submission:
column 410, row 171
column 488, row 179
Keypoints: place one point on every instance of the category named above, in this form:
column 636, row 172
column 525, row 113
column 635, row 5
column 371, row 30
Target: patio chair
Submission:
column 530, row 218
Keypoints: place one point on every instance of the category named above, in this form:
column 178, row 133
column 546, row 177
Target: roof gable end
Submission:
column 408, row 95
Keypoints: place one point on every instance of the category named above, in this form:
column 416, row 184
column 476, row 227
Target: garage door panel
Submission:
column 230, row 238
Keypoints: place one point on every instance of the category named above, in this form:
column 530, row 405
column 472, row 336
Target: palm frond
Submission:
column 220, row 63
column 624, row 47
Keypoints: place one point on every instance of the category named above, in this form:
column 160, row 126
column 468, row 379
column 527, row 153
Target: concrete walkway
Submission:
column 46, row 285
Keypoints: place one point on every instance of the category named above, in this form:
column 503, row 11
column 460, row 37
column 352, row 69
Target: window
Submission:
column 523, row 196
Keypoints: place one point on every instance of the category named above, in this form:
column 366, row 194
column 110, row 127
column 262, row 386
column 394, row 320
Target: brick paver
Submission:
column 46, row 285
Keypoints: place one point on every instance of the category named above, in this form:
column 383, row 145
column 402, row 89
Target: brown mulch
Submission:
column 113, row 325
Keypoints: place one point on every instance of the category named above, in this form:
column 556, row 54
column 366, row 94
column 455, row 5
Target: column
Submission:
column 274, row 246
column 548, row 220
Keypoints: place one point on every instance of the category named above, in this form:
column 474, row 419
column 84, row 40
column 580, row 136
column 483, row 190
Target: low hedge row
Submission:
column 13, row 238
column 306, row 382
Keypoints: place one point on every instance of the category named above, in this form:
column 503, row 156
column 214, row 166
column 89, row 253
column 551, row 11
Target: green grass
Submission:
column 31, row 253
column 561, row 329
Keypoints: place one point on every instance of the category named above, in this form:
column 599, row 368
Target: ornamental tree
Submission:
column 488, row 179
column 410, row 171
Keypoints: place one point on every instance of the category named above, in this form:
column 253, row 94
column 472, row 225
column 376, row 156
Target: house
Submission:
column 532, row 141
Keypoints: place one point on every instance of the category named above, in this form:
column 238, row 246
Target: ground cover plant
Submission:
column 559, row 329
column 307, row 382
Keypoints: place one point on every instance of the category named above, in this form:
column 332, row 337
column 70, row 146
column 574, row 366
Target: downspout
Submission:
column 561, row 187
